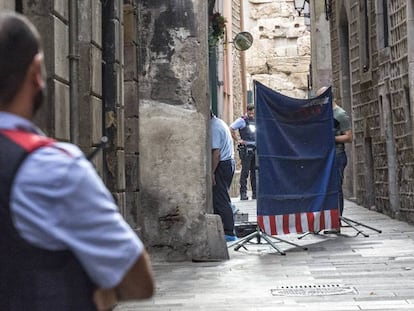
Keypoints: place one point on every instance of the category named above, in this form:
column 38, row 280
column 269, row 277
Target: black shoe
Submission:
column 254, row 196
column 244, row 197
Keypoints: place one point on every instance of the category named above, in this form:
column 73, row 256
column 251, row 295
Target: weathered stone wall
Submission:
column 401, row 104
column 320, row 46
column 341, row 50
column 73, row 47
column 381, row 103
column 237, row 83
column 54, row 117
column 134, row 213
column 7, row 5
column 280, row 55
column 174, row 141
column 238, row 105
column 153, row 105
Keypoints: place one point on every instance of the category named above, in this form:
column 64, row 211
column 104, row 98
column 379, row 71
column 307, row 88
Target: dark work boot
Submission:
column 243, row 196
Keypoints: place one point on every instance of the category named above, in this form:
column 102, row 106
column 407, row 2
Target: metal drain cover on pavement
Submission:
column 312, row 290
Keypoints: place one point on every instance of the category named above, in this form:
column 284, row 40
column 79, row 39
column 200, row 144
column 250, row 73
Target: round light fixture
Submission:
column 243, row 40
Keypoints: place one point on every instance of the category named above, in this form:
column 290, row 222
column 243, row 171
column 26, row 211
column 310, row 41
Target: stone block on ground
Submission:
column 215, row 238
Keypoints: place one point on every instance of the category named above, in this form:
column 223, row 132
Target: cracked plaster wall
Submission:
column 174, row 139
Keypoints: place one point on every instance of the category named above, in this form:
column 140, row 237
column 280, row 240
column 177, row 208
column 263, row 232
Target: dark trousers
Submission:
column 341, row 161
column 248, row 162
column 221, row 195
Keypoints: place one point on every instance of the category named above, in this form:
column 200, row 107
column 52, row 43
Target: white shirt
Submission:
column 221, row 138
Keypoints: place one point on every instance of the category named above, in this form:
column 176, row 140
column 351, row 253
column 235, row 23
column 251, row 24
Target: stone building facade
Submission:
column 136, row 72
column 321, row 64
column 372, row 49
column 280, row 55
column 278, row 58
column 239, row 70
column 175, row 152
column 229, row 62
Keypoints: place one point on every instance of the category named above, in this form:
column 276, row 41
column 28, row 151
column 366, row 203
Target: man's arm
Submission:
column 215, row 159
column 234, row 134
column 345, row 137
column 138, row 283
column 234, row 128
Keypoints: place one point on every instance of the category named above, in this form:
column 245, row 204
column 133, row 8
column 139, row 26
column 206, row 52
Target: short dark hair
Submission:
column 250, row 107
column 19, row 43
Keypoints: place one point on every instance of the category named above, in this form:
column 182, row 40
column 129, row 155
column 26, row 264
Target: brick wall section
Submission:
column 131, row 113
column 113, row 86
column 401, row 114
column 280, row 54
column 382, row 119
column 54, row 116
column 336, row 73
column 90, row 77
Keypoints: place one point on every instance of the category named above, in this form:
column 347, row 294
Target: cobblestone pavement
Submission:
column 338, row 272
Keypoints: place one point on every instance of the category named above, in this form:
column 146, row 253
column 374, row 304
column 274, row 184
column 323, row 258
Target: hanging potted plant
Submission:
column 217, row 26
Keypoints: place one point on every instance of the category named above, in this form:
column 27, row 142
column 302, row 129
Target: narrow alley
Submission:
column 338, row 272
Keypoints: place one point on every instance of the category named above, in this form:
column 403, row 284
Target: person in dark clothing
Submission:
column 343, row 135
column 222, row 165
column 246, row 127
column 63, row 244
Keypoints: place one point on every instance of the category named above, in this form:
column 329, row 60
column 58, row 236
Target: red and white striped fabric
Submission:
column 299, row 223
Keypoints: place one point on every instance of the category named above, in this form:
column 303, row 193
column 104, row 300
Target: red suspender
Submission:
column 28, row 141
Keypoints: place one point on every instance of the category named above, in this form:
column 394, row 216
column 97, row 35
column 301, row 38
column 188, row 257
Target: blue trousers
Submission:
column 341, row 161
column 221, row 194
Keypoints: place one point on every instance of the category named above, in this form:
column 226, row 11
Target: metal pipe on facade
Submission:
column 74, row 71
column 109, row 90
column 243, row 62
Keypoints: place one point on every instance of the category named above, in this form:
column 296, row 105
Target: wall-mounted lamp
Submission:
column 302, row 6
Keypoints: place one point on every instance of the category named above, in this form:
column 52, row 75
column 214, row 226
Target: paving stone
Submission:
column 380, row 268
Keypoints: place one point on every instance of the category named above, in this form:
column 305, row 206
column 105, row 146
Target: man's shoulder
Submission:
column 219, row 122
column 28, row 141
column 68, row 149
column 59, row 158
column 340, row 113
column 34, row 142
column 238, row 123
column 340, row 110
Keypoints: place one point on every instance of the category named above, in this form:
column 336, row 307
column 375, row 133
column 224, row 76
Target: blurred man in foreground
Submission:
column 63, row 244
